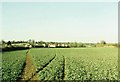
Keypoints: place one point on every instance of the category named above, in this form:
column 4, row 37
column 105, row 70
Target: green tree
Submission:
column 32, row 42
column 103, row 42
column 3, row 42
column 9, row 43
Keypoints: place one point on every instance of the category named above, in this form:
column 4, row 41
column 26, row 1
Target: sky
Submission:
column 60, row 21
column 59, row 0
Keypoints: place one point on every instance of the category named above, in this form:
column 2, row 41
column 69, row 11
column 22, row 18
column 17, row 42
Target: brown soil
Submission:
column 29, row 69
column 30, row 72
column 64, row 62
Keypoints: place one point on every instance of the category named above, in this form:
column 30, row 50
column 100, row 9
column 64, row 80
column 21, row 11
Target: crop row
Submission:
column 68, row 64
column 80, row 64
column 41, row 57
column 92, row 65
column 86, row 70
column 12, row 64
column 54, row 71
column 54, row 68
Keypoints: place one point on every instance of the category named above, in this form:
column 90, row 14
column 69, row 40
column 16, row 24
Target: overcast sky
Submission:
column 60, row 21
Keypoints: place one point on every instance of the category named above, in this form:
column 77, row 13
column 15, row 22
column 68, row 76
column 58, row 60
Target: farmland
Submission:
column 12, row 64
column 61, row 64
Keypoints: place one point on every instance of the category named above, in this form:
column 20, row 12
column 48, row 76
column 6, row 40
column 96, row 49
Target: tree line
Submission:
column 41, row 44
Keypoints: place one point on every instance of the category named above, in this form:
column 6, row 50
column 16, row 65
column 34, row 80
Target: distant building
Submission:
column 62, row 45
column 36, row 44
column 43, row 45
column 28, row 45
column 51, row 45
column 66, row 45
column 58, row 44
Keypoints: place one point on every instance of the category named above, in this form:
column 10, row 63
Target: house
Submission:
column 43, row 45
column 51, row 45
column 66, row 45
column 28, row 45
column 58, row 44
column 62, row 45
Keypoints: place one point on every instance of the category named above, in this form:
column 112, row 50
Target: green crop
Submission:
column 91, row 63
column 64, row 63
column 12, row 64
column 41, row 56
column 54, row 71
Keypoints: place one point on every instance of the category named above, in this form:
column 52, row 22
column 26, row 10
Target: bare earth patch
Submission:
column 29, row 69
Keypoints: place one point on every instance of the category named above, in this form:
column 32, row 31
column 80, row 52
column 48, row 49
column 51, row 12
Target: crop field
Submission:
column 61, row 64
column 12, row 64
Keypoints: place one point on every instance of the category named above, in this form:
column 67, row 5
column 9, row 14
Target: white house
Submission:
column 43, row 45
column 28, row 45
column 51, row 45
